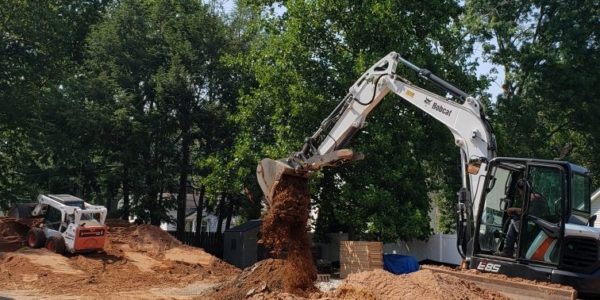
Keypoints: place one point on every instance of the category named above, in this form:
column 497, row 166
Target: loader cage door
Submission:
column 541, row 223
column 53, row 218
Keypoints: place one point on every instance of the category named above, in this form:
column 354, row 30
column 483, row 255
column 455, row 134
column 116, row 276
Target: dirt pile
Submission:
column 284, row 231
column 263, row 277
column 145, row 238
column 139, row 262
column 12, row 234
column 423, row 284
column 372, row 285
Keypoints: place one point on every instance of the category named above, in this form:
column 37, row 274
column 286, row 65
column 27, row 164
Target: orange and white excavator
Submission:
column 557, row 243
column 70, row 225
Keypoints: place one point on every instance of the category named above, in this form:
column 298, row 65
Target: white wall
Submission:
column 212, row 222
column 439, row 247
column 596, row 207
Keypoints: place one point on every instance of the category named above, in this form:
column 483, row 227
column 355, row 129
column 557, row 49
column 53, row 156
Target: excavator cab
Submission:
column 555, row 241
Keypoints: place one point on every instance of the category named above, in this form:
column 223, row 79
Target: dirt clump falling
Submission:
column 284, row 232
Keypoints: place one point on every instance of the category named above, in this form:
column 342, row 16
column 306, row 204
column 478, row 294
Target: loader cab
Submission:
column 548, row 194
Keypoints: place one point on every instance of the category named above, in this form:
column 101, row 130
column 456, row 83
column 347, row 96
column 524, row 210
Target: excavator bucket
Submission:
column 270, row 172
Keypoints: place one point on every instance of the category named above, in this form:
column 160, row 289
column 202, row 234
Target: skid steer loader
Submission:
column 70, row 225
column 556, row 244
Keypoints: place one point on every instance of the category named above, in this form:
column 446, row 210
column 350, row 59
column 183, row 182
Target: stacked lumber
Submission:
column 358, row 257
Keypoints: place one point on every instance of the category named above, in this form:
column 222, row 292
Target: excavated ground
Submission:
column 292, row 274
column 144, row 262
column 138, row 262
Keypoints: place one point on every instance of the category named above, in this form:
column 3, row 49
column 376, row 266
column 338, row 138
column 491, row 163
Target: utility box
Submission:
column 360, row 256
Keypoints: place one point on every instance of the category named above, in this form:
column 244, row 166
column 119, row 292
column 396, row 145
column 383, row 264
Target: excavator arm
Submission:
column 464, row 117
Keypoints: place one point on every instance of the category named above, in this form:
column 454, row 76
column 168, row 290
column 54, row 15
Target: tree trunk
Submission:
column 154, row 206
column 199, row 210
column 183, row 176
column 152, row 194
column 221, row 212
column 230, row 212
column 110, row 196
column 152, row 175
column 126, row 191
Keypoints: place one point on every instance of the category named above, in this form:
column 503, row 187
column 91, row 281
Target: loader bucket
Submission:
column 270, row 172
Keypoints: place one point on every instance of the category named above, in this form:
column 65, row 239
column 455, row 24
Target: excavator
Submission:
column 556, row 241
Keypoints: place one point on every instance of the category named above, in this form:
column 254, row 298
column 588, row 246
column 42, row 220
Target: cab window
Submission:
column 546, row 192
column 580, row 193
column 53, row 218
column 540, row 225
column 493, row 210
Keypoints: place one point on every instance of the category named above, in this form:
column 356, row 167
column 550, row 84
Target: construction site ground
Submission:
column 144, row 262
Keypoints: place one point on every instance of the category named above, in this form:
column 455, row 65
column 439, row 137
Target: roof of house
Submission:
column 246, row 226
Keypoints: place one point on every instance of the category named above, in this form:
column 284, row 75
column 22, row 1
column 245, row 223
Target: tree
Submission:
column 304, row 58
column 43, row 145
column 158, row 60
column 549, row 51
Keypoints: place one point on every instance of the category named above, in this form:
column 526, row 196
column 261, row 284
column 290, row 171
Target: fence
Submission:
column 211, row 242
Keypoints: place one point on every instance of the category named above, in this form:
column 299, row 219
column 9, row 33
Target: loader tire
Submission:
column 36, row 238
column 56, row 244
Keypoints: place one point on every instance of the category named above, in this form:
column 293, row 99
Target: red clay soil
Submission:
column 284, row 231
column 92, row 275
column 377, row 285
column 145, row 238
column 423, row 284
column 134, row 260
column 12, row 234
column 264, row 276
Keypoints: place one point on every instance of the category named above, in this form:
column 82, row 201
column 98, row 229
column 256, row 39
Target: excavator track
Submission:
column 522, row 290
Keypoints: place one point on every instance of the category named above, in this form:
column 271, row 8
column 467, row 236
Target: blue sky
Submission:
column 485, row 68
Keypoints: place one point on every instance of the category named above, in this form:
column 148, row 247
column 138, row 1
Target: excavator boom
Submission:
column 467, row 122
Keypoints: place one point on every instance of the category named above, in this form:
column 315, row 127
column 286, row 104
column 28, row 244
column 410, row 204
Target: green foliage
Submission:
column 550, row 53
column 130, row 100
column 162, row 60
column 110, row 100
column 42, row 44
column 304, row 58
